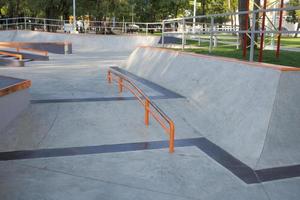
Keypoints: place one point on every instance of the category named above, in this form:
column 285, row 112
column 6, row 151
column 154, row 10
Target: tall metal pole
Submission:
column 279, row 28
column 74, row 15
column 195, row 13
column 251, row 56
column 262, row 38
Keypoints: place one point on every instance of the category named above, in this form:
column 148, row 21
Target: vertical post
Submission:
column 262, row 37
column 246, row 29
column 183, row 34
column 172, row 135
column 44, row 24
column 25, row 23
column 147, row 111
column 215, row 41
column 147, row 26
column 163, row 34
column 109, row 77
column 194, row 18
column 272, row 34
column 6, row 22
column 120, row 85
column 252, row 38
column 211, row 34
column 280, row 29
column 237, row 41
column 66, row 48
column 74, row 15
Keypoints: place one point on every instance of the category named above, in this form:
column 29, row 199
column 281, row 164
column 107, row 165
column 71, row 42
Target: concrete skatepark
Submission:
column 237, row 125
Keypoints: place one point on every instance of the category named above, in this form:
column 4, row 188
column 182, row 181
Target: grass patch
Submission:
column 287, row 58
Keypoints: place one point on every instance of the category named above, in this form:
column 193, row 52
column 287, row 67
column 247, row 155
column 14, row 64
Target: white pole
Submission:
column 74, row 15
column 195, row 13
column 132, row 14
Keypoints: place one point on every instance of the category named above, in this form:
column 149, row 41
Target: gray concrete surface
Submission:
column 189, row 173
column 12, row 105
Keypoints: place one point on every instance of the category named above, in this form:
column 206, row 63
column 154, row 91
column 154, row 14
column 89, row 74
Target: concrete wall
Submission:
column 282, row 146
column 81, row 42
column 235, row 99
column 12, row 105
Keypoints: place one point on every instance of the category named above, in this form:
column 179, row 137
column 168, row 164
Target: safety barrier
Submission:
column 19, row 56
column 156, row 112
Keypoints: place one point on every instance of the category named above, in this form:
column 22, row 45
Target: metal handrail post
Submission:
column 251, row 56
column 147, row 112
column 120, row 85
column 147, row 26
column 172, row 138
column 183, row 34
column 163, row 34
column 211, row 34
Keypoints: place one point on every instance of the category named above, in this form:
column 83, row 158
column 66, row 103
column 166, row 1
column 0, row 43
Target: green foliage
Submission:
column 140, row 10
column 294, row 15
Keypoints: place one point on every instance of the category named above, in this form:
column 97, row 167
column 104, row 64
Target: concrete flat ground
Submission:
column 84, row 142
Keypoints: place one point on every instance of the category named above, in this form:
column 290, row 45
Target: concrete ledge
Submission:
column 52, row 47
column 14, row 98
column 220, row 58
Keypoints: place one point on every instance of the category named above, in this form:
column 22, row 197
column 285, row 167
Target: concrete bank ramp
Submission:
column 250, row 110
column 82, row 42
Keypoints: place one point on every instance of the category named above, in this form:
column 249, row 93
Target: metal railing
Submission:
column 19, row 56
column 18, row 47
column 83, row 26
column 205, row 26
column 156, row 112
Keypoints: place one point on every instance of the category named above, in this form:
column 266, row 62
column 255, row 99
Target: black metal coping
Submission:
column 166, row 93
column 6, row 81
column 235, row 166
column 37, row 101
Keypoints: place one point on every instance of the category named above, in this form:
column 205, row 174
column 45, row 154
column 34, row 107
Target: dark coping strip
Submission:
column 278, row 173
column 225, row 159
column 238, row 168
column 150, row 84
column 86, row 150
column 37, row 101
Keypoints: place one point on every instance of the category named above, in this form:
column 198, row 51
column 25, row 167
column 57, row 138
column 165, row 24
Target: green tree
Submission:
column 294, row 15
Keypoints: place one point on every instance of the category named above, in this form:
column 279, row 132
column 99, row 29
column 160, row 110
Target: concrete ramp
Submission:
column 82, row 42
column 251, row 110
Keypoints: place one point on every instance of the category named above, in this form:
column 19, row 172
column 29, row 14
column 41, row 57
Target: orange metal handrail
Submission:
column 157, row 113
column 19, row 56
column 18, row 48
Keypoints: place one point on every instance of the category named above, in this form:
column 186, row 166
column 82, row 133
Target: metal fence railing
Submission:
column 83, row 26
column 207, row 29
